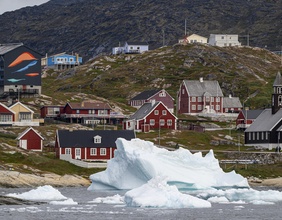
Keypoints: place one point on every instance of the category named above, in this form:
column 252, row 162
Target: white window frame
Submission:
column 262, row 135
column 103, row 151
column 193, row 107
column 217, row 99
column 250, row 136
column 254, row 136
column 152, row 122
column 162, row 122
column 68, row 151
column 156, row 112
column 193, row 99
column 199, row 99
column 97, row 139
column 164, row 112
column 199, row 107
column 217, row 107
column 93, row 151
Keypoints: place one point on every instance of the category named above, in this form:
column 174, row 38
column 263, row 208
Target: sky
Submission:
column 11, row 5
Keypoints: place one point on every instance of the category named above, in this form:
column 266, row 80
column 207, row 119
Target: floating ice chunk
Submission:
column 116, row 199
column 157, row 193
column 41, row 193
column 68, row 201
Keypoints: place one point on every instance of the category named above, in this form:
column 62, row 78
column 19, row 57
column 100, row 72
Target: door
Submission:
column 23, row 144
column 77, row 153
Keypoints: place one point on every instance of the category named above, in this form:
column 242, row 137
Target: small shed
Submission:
column 30, row 139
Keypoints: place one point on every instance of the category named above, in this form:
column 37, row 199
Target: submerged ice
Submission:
column 137, row 161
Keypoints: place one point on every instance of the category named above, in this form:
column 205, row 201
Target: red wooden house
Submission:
column 196, row 96
column 246, row 118
column 30, row 139
column 151, row 115
column 7, row 116
column 89, row 145
column 156, row 95
column 231, row 104
column 87, row 112
column 51, row 111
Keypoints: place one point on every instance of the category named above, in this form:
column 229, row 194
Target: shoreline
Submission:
column 270, row 182
column 15, row 179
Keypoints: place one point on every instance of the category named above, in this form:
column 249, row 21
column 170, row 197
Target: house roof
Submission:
column 278, row 80
column 200, row 87
column 27, row 130
column 146, row 109
column 192, row 35
column 89, row 105
column 231, row 102
column 19, row 103
column 84, row 138
column 5, row 48
column 265, row 121
column 136, row 43
column 146, row 94
column 252, row 114
column 4, row 106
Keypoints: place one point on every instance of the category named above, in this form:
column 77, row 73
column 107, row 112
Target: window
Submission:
column 5, row 118
column 138, row 48
column 156, row 112
column 266, row 135
column 103, row 151
column 77, row 153
column 254, row 136
column 262, row 135
column 97, row 139
column 71, row 59
column 217, row 99
column 162, row 122
column 164, row 112
column 217, row 107
column 162, row 94
column 68, row 151
column 250, row 136
column 208, row 99
column 257, row 135
column 102, row 112
column 199, row 99
column 193, row 107
column 93, row 151
column 169, row 122
column 280, row 100
column 77, row 111
column 222, row 37
column 183, row 91
column 24, row 116
column 193, row 99
column 226, row 109
column 152, row 122
column 199, row 107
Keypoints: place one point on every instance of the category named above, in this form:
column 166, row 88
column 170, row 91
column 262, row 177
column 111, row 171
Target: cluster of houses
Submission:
column 220, row 40
column 20, row 73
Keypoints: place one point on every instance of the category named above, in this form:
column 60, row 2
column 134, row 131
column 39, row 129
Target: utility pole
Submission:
column 163, row 37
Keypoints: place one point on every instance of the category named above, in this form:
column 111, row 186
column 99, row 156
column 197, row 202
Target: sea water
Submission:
column 87, row 210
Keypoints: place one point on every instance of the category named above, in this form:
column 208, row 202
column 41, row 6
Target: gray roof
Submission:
column 84, row 138
column 252, row 114
column 5, row 48
column 144, row 110
column 265, row 121
column 231, row 102
column 278, row 80
column 136, row 43
column 146, row 94
column 199, row 88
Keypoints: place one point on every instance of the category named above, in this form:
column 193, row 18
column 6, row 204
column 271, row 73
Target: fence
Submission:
column 82, row 163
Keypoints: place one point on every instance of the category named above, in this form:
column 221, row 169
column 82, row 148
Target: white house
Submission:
column 224, row 40
column 131, row 47
column 194, row 38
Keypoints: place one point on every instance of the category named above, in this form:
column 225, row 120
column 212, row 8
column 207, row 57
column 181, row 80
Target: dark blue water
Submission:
column 86, row 210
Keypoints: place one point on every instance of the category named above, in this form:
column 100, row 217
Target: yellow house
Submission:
column 23, row 115
column 194, row 38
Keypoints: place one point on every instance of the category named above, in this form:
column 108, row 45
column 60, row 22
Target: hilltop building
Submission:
column 224, row 40
column 131, row 48
column 194, row 38
column 61, row 61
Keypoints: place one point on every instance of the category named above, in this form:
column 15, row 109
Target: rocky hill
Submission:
column 244, row 72
column 91, row 27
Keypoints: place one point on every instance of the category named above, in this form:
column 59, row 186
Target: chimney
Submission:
column 201, row 79
column 230, row 96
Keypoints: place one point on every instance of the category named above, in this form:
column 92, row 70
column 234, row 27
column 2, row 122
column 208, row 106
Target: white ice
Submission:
column 41, row 193
column 155, row 175
column 137, row 161
column 68, row 201
column 116, row 199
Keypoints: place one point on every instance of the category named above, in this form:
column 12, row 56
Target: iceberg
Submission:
column 138, row 161
column 41, row 193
